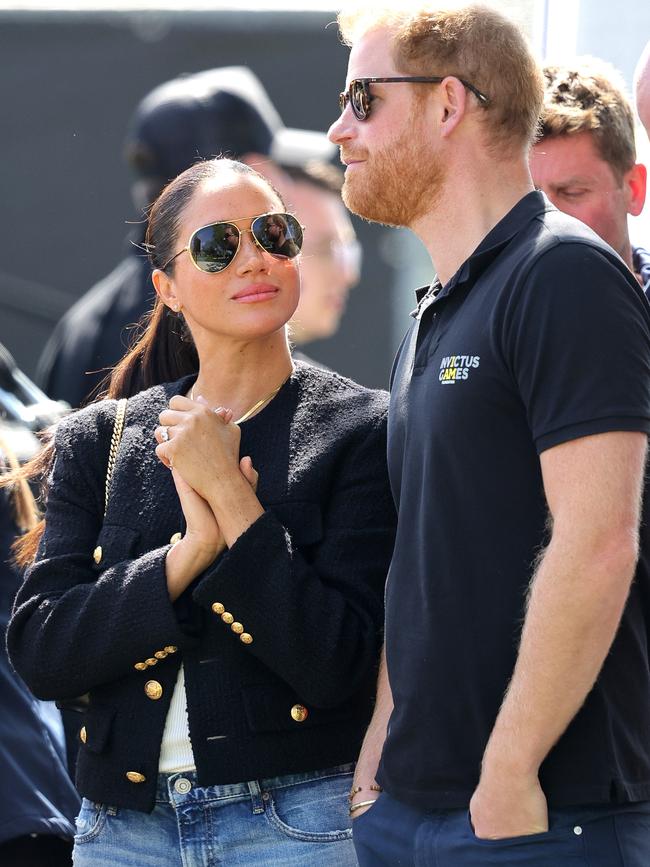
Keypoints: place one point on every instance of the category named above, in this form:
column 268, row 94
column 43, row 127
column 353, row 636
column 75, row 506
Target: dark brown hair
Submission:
column 163, row 349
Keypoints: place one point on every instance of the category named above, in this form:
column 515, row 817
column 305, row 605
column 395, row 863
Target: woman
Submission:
column 37, row 799
column 225, row 625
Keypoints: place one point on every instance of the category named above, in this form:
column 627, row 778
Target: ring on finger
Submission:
column 164, row 433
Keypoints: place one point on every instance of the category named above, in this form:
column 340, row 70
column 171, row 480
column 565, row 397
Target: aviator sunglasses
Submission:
column 213, row 247
column 358, row 92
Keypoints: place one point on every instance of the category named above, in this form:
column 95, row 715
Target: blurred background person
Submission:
column 642, row 88
column 218, row 111
column 38, row 801
column 330, row 264
column 585, row 159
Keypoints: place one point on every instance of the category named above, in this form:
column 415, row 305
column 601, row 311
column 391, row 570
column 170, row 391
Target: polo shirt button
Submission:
column 135, row 777
column 153, row 690
column 182, row 786
column 577, row 830
column 299, row 713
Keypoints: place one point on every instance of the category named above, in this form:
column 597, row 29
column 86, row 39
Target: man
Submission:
column 194, row 116
column 331, row 255
column 642, row 88
column 585, row 159
column 516, row 638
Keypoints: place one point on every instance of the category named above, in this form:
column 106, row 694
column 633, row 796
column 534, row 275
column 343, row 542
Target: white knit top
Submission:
column 176, row 749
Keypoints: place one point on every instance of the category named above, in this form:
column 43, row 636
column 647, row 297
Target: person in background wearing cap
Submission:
column 331, row 255
column 223, row 110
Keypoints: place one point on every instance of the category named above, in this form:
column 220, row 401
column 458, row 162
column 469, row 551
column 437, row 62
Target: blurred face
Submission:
column 253, row 297
column 329, row 262
column 392, row 175
column 579, row 182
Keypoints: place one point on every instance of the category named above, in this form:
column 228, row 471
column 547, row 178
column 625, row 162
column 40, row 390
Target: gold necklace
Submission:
column 256, row 406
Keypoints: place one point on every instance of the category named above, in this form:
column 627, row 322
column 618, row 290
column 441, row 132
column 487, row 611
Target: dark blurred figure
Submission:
column 330, row 264
column 192, row 117
column 585, row 159
column 38, row 802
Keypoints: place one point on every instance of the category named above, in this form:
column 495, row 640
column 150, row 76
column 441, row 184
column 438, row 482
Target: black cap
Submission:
column 219, row 111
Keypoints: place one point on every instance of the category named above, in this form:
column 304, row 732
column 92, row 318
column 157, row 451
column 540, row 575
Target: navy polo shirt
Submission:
column 542, row 336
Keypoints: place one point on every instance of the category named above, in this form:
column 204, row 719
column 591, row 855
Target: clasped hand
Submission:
column 201, row 447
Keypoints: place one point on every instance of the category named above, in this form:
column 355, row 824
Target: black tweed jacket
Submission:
column 289, row 691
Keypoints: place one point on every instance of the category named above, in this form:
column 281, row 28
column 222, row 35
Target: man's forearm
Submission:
column 373, row 743
column 575, row 606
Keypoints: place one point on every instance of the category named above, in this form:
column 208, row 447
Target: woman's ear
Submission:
column 164, row 287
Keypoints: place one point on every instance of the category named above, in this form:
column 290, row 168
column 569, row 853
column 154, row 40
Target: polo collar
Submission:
column 527, row 208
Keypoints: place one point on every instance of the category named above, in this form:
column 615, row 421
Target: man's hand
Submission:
column 507, row 805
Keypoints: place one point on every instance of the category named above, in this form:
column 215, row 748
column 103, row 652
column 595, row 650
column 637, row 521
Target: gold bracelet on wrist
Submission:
column 361, row 804
column 356, row 789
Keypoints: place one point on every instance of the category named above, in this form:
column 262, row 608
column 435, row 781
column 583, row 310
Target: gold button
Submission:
column 218, row 607
column 175, row 538
column 237, row 627
column 97, row 554
column 246, row 638
column 141, row 666
column 83, row 734
column 151, row 661
column 299, row 712
column 227, row 617
column 169, row 648
column 135, row 777
column 160, row 654
column 153, row 690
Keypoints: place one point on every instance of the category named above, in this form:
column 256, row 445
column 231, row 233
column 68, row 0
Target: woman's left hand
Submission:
column 202, row 444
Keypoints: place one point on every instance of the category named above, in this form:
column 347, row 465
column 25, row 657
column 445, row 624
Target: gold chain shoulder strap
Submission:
column 118, row 427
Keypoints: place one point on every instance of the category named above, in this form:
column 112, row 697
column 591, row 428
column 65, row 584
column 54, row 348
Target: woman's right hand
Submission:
column 203, row 541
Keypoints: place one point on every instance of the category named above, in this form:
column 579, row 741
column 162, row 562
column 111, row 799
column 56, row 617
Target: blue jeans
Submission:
column 392, row 834
column 294, row 820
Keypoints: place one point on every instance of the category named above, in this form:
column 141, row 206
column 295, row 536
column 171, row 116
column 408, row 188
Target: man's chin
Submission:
column 363, row 204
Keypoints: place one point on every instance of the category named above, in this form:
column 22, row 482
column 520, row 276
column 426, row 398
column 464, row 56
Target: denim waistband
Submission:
column 183, row 786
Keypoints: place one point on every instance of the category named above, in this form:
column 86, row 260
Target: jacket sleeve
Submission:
column 76, row 624
column 314, row 611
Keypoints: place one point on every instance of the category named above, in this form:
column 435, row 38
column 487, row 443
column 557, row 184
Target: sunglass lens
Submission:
column 359, row 99
column 213, row 247
column 278, row 234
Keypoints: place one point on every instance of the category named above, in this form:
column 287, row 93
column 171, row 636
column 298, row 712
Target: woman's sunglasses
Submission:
column 359, row 97
column 212, row 248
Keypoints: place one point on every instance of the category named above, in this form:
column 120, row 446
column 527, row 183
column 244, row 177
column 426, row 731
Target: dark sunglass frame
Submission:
column 361, row 110
column 295, row 236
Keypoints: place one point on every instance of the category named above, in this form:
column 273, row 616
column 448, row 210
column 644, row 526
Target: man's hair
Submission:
column 474, row 42
column 589, row 96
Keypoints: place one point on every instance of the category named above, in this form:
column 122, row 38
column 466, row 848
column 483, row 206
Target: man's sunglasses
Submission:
column 358, row 92
column 212, row 248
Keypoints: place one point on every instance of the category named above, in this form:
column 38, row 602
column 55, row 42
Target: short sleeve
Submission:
column 577, row 340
